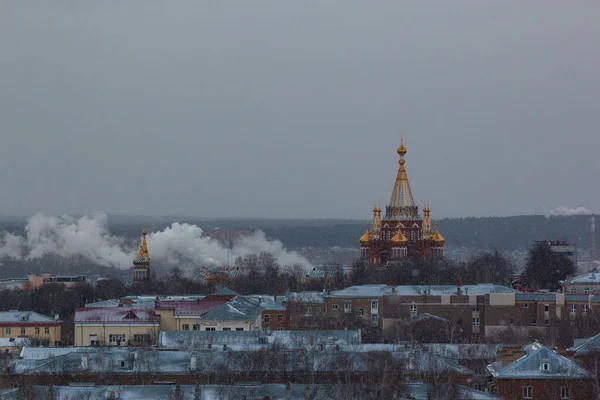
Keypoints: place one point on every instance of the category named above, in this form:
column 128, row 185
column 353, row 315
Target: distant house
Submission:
column 275, row 316
column 585, row 284
column 38, row 328
column 115, row 326
column 224, row 310
column 35, row 281
column 537, row 372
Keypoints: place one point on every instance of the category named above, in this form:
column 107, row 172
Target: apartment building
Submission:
column 385, row 306
column 38, row 328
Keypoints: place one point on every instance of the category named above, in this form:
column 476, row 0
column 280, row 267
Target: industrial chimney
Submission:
column 593, row 251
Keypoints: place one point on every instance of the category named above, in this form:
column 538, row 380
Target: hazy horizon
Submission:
column 293, row 110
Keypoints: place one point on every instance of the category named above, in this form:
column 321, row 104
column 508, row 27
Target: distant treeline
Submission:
column 500, row 233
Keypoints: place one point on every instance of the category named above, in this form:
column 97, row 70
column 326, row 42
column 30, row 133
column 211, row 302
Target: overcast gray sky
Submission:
column 294, row 108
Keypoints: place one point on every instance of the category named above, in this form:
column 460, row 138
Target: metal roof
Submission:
column 540, row 362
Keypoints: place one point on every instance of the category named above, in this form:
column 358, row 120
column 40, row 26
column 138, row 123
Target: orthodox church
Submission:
column 402, row 233
column 141, row 263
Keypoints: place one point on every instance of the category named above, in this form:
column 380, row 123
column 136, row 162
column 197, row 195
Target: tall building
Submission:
column 402, row 233
column 141, row 263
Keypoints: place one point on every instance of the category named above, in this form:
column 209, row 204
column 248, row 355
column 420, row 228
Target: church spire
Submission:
column 402, row 204
column 143, row 252
column 141, row 263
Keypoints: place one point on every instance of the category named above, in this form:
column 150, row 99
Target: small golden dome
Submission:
column 437, row 238
column 401, row 150
column 364, row 239
column 399, row 238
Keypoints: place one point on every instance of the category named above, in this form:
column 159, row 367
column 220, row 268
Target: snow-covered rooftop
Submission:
column 118, row 315
column 25, row 317
column 375, row 291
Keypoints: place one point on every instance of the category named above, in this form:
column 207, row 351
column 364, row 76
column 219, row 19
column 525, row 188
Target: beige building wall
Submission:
column 167, row 320
column 85, row 333
column 43, row 332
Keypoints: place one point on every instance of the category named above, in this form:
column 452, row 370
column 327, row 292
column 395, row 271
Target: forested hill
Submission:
column 502, row 233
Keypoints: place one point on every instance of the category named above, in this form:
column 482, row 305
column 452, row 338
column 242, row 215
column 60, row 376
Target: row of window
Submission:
column 196, row 327
column 528, row 392
column 37, row 331
column 573, row 307
column 267, row 318
column 348, row 305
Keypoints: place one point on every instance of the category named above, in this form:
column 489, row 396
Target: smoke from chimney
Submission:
column 562, row 211
column 88, row 237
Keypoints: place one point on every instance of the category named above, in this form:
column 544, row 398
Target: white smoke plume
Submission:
column 563, row 211
column 88, row 237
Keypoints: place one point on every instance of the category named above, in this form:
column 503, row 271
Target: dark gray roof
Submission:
column 586, row 346
column 237, row 309
column 129, row 361
column 225, row 291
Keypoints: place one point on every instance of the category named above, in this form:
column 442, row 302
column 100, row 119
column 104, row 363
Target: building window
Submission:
column 545, row 366
column 279, row 328
column 334, row 307
column 374, row 320
column 8, row 331
column 573, row 308
column 413, row 308
column 116, row 339
column 239, row 329
column 534, row 322
column 226, row 329
column 546, row 308
column 511, row 322
column 475, row 321
column 47, row 331
column 196, row 327
column 584, row 308
column 37, row 331
column 547, row 322
column 347, row 305
column 527, row 392
column 573, row 291
column 279, row 318
column 22, row 331
column 586, row 290
column 141, row 338
column 526, row 305
column 374, row 304
column 564, row 392
column 361, row 311
column 267, row 318
column 210, row 328
column 185, row 327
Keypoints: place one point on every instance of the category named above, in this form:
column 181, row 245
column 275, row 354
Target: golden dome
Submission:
column 400, row 238
column 364, row 239
column 437, row 238
column 401, row 150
